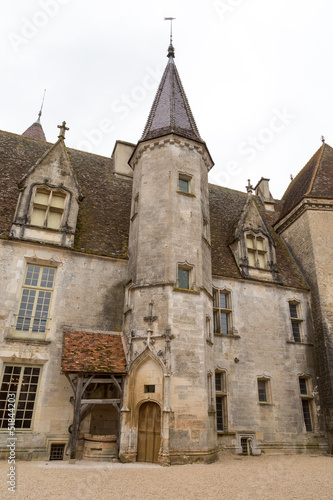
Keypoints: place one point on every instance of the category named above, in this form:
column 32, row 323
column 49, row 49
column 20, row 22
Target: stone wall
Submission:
column 310, row 239
column 88, row 294
column 261, row 346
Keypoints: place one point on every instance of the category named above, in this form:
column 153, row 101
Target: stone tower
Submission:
column 306, row 225
column 167, row 409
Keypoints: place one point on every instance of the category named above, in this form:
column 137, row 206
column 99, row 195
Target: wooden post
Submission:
column 76, row 416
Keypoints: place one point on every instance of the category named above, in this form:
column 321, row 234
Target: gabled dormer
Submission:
column 253, row 246
column 49, row 198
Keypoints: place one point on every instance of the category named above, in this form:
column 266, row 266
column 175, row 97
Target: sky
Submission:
column 257, row 73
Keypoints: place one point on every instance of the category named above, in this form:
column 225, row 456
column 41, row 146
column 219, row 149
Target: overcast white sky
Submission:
column 257, row 73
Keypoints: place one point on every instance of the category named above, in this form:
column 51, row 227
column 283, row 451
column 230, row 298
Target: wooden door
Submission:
column 149, row 437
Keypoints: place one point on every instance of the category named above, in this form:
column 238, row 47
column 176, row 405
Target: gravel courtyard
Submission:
column 266, row 477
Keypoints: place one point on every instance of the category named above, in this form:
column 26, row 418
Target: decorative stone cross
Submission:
column 249, row 187
column 63, row 129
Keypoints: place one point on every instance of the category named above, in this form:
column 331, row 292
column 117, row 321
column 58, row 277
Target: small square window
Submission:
column 57, row 451
column 149, row 388
column 184, row 185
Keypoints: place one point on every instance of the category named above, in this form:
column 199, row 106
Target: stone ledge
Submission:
column 28, row 341
column 191, row 195
column 300, row 343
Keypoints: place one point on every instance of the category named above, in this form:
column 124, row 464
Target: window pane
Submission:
column 303, row 386
column 183, row 278
column 296, row 331
column 219, row 413
column 218, row 382
column 54, row 220
column 38, row 217
column 223, row 300
column 252, row 260
column 47, row 277
column 261, row 259
column 184, row 185
column 31, row 278
column 57, row 201
column 42, row 198
column 260, row 244
column 224, row 323
column 249, row 242
column 216, row 322
column 293, row 310
column 24, row 409
column 307, row 414
column 262, row 391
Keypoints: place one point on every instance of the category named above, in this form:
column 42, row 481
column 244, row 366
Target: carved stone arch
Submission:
column 147, row 352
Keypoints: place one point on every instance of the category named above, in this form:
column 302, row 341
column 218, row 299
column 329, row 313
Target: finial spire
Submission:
column 63, row 129
column 323, row 139
column 41, row 108
column 171, row 50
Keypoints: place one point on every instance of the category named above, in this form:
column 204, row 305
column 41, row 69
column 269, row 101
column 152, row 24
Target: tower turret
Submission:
column 170, row 350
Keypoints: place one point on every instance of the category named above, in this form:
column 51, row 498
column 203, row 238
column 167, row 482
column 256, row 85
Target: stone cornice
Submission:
column 305, row 204
column 179, row 141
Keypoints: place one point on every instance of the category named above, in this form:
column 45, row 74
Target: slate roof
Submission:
column 35, row 131
column 171, row 111
column 93, row 352
column 104, row 214
column 226, row 206
column 315, row 180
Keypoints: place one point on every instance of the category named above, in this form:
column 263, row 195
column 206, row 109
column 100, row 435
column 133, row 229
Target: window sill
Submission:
column 299, row 343
column 227, row 335
column 176, row 289
column 264, row 403
column 29, row 340
column 191, row 195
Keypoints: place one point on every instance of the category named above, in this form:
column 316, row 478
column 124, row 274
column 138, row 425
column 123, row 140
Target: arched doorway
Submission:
column 149, row 435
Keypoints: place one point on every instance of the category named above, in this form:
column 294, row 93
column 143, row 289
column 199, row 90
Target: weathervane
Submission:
column 322, row 139
column 170, row 19
column 41, row 108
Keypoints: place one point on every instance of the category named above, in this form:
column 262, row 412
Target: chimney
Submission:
column 262, row 190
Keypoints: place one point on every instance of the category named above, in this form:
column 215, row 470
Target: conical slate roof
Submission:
column 171, row 111
column 315, row 180
column 35, row 131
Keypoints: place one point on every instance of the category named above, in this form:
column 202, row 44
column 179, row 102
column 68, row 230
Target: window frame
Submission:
column 222, row 396
column 307, row 402
column 218, row 311
column 255, row 251
column 188, row 268
column 298, row 320
column 27, row 400
column 38, row 323
column 48, row 208
column 268, row 392
column 182, row 176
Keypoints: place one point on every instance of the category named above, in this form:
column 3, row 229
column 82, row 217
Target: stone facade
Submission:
column 149, row 316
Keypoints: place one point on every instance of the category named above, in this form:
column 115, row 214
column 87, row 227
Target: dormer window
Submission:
column 256, row 252
column 48, row 208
